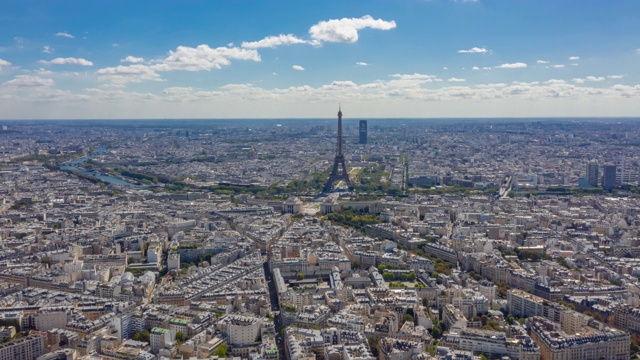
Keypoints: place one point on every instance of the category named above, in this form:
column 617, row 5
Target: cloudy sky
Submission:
column 299, row 58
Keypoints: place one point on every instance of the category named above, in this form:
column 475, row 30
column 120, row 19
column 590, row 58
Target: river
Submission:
column 73, row 166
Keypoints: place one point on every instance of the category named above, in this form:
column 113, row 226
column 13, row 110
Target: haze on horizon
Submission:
column 287, row 59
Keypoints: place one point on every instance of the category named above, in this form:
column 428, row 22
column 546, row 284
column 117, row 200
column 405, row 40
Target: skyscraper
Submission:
column 609, row 177
column 363, row 132
column 592, row 174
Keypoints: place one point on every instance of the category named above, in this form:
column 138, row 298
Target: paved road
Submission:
column 275, row 307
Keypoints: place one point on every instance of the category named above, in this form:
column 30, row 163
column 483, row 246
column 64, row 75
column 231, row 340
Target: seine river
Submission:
column 73, row 166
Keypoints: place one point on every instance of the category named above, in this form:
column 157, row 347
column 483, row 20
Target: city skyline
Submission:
column 437, row 58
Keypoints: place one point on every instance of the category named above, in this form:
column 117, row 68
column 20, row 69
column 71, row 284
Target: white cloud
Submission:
column 445, row 68
column 409, row 81
column 115, row 45
column 475, row 68
column 67, row 61
column 236, row 87
column 177, row 90
column 19, row 42
column 526, row 83
column 517, row 65
column 473, row 50
column 362, row 63
column 486, row 68
column 132, row 59
column 542, row 62
column 390, row 97
column 638, row 51
column 557, row 66
column 594, row 78
column 588, row 79
column 273, row 41
column 128, row 74
column 342, row 84
column 43, row 72
column 456, row 80
column 575, row 64
column 574, row 58
column 65, row 34
column 346, row 29
column 47, row 49
column 28, row 81
column 204, row 57
column 415, row 76
column 297, row 67
column 615, row 76
column 184, row 58
column 4, row 63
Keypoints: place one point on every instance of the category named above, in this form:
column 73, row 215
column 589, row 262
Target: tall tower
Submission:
column 363, row 132
column 609, row 177
column 339, row 171
column 592, row 174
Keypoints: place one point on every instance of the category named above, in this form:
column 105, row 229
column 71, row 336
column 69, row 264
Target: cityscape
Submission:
column 454, row 239
column 319, row 180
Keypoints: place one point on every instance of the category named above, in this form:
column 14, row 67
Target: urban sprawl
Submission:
column 451, row 239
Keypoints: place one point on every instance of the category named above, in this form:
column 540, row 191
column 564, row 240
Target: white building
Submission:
column 159, row 339
column 27, row 348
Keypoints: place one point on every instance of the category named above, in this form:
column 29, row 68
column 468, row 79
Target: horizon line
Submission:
column 333, row 118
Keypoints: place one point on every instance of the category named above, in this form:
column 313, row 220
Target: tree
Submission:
column 595, row 315
column 143, row 336
column 436, row 332
column 389, row 276
column 180, row 336
column 300, row 277
column 221, row 351
column 408, row 317
column 374, row 344
column 635, row 343
column 616, row 282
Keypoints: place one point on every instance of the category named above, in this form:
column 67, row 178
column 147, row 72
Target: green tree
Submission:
column 436, row 332
column 300, row 277
column 374, row 344
column 389, row 276
column 143, row 336
column 221, row 351
column 180, row 337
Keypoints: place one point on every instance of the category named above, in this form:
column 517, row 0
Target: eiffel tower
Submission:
column 339, row 171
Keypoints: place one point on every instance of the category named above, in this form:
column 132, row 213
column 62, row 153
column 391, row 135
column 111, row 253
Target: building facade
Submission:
column 27, row 348
column 363, row 132
column 592, row 174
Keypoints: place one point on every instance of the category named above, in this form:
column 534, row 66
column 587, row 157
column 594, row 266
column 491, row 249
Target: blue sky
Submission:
column 299, row 59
